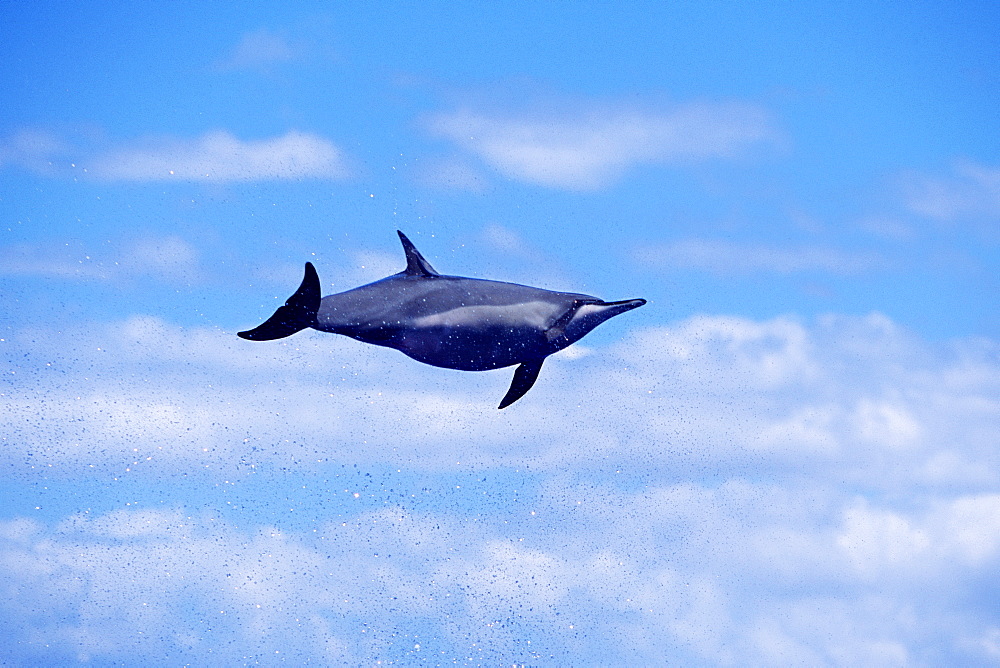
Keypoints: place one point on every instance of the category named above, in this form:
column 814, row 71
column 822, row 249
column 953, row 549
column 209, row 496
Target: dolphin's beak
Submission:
column 624, row 305
column 591, row 314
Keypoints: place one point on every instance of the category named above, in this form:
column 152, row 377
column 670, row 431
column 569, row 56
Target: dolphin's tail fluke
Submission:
column 298, row 313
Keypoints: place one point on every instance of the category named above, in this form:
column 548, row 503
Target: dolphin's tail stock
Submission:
column 298, row 313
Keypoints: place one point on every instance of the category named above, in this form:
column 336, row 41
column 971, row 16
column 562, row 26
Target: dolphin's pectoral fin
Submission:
column 416, row 264
column 558, row 328
column 524, row 377
column 298, row 312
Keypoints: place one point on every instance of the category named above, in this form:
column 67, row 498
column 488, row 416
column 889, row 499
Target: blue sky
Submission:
column 787, row 457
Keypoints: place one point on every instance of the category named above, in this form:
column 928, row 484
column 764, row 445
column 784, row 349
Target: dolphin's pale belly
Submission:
column 536, row 314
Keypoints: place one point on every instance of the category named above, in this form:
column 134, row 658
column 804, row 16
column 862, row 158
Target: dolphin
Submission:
column 453, row 322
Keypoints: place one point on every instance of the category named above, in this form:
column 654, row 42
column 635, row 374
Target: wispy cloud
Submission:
column 35, row 150
column 221, row 157
column 591, row 148
column 972, row 190
column 60, row 260
column 258, row 50
column 510, row 241
column 168, row 258
column 452, row 173
column 216, row 156
column 727, row 257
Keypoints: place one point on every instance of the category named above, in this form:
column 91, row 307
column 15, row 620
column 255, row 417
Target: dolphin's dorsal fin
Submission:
column 416, row 265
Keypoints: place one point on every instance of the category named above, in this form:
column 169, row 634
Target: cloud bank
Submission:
column 720, row 491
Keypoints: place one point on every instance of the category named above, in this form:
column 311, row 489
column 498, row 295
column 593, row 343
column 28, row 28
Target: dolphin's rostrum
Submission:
column 448, row 321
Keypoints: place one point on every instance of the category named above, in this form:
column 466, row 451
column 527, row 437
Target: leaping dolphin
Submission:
column 448, row 321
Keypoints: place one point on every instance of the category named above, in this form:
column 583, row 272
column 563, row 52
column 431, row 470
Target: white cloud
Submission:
column 510, row 241
column 449, row 173
column 220, row 157
column 62, row 260
column 732, row 352
column 216, row 156
column 881, row 540
column 886, row 424
column 511, row 578
column 884, row 544
column 260, row 49
column 887, row 227
column 713, row 389
column 728, row 257
column 971, row 190
column 151, row 590
column 169, row 258
column 36, row 150
column 807, row 429
column 592, row 148
column 986, row 646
